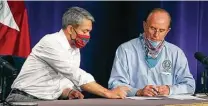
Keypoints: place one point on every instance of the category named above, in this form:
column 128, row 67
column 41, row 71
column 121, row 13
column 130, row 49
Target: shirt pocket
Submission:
column 165, row 78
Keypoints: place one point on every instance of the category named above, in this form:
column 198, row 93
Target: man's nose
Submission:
column 156, row 33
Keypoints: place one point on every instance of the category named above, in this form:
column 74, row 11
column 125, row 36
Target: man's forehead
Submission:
column 86, row 24
column 158, row 15
column 159, row 19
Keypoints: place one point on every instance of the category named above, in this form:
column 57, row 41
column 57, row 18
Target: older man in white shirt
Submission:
column 52, row 71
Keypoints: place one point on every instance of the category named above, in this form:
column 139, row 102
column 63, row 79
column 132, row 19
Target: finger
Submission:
column 162, row 89
column 163, row 92
column 115, row 97
column 153, row 90
column 81, row 96
column 118, row 95
column 122, row 95
column 70, row 97
column 76, row 95
column 72, row 94
column 148, row 93
column 119, row 91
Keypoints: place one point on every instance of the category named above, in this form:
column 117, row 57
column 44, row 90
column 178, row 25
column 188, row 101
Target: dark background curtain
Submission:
column 117, row 22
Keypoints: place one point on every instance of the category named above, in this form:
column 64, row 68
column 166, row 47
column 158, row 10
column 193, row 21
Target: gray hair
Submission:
column 74, row 16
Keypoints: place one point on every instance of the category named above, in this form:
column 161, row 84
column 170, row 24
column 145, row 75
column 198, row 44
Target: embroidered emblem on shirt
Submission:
column 166, row 65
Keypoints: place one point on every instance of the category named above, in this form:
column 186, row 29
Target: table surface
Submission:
column 120, row 102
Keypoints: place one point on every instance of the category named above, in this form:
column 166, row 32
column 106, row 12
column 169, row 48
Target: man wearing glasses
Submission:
column 151, row 66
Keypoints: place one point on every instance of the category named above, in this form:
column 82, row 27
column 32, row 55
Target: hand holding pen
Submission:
column 149, row 90
column 163, row 90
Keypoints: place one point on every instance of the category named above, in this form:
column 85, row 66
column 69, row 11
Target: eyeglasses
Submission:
column 155, row 30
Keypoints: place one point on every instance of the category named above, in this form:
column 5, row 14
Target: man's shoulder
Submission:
column 51, row 36
column 129, row 44
column 48, row 39
column 172, row 47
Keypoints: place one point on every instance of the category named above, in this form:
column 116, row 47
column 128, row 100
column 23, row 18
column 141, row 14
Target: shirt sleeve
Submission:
column 52, row 53
column 119, row 74
column 184, row 82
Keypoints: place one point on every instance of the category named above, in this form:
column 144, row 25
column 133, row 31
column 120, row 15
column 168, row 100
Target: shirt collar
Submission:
column 64, row 42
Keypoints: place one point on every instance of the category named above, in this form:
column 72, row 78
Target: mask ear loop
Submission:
column 71, row 35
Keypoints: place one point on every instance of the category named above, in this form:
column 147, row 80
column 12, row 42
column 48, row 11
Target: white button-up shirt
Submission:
column 51, row 66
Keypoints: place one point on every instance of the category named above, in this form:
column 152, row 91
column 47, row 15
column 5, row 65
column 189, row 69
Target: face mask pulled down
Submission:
column 154, row 47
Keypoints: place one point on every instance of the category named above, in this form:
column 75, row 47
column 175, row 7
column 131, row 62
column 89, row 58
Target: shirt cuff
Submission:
column 84, row 78
column 171, row 89
column 87, row 79
column 132, row 92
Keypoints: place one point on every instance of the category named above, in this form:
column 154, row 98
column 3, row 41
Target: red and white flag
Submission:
column 14, row 29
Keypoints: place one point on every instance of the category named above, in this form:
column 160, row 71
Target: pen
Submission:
column 156, row 91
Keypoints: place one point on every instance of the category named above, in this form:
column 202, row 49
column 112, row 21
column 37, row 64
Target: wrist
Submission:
column 106, row 93
column 65, row 94
column 139, row 92
column 69, row 92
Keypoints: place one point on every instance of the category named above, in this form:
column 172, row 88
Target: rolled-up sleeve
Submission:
column 59, row 59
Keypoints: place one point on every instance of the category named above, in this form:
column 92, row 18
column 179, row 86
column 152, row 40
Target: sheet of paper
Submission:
column 185, row 97
column 144, row 98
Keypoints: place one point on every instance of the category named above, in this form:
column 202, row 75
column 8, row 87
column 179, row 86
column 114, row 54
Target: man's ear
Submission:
column 69, row 29
column 144, row 25
column 168, row 30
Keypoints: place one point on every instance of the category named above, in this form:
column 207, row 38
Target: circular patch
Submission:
column 166, row 64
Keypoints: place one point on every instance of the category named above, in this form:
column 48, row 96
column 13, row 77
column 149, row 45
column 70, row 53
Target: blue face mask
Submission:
column 152, row 60
column 154, row 43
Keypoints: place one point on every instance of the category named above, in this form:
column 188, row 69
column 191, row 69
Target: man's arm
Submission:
column 97, row 89
column 52, row 53
column 69, row 93
column 59, row 60
column 184, row 82
column 119, row 75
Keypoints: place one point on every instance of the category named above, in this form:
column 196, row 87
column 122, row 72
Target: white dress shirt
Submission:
column 51, row 66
